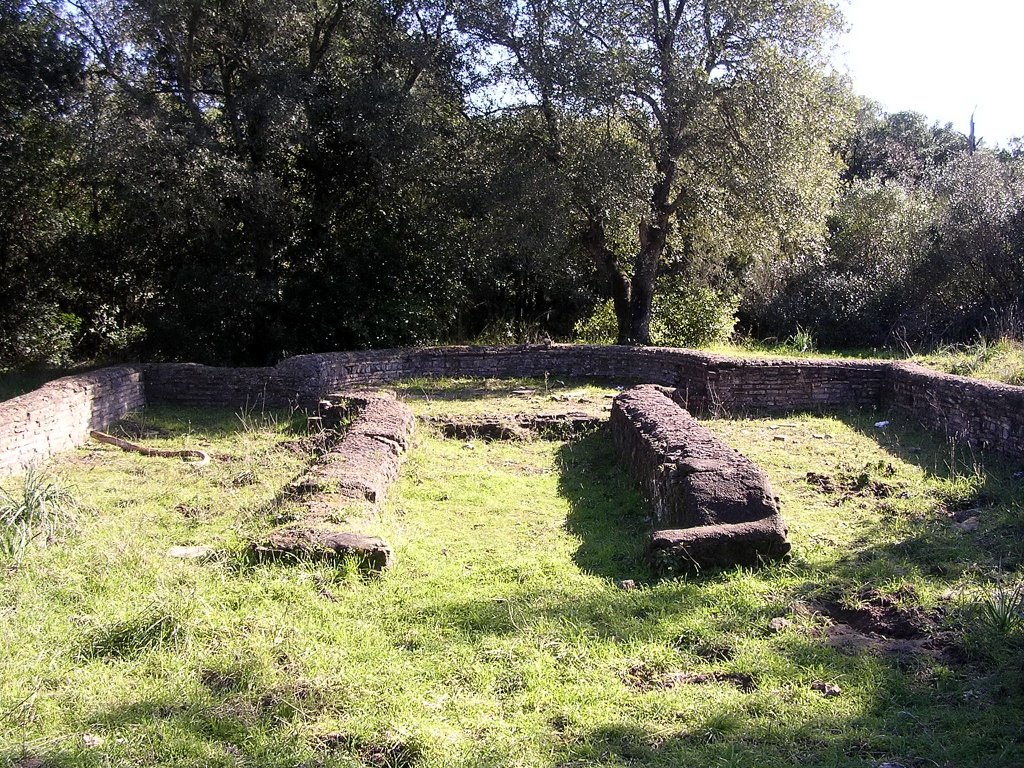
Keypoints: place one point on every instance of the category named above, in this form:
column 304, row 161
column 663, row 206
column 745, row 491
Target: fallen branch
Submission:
column 195, row 458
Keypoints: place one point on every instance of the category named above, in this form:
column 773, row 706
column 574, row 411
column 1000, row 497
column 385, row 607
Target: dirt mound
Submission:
column 879, row 614
column 877, row 623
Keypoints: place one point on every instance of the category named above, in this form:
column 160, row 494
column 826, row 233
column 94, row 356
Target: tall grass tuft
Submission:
column 150, row 628
column 1002, row 610
column 35, row 513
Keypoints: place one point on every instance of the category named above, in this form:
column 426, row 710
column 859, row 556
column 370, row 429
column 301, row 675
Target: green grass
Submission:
column 1000, row 360
column 468, row 397
column 501, row 638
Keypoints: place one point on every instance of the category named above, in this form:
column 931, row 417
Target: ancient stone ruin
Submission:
column 711, row 505
column 59, row 415
column 358, row 469
column 519, row 427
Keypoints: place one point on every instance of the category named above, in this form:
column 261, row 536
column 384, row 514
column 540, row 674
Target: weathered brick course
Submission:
column 982, row 414
column 711, row 506
column 60, row 414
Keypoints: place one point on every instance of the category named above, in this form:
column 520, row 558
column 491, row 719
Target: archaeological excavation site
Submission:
column 390, row 557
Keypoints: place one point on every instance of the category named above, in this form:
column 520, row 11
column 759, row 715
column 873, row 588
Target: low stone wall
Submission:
column 365, row 463
column 295, row 381
column 982, row 414
column 978, row 413
column 359, row 469
column 712, row 506
column 59, row 415
column 706, row 381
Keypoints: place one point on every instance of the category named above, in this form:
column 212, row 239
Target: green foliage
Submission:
column 38, row 511
column 506, row 332
column 689, row 315
column 601, row 327
column 684, row 315
column 660, row 183
column 240, row 183
column 801, row 342
column 912, row 258
column 46, row 336
column 900, row 147
column 856, row 291
column 40, row 76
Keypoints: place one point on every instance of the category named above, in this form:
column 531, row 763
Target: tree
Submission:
column 273, row 176
column 40, row 74
column 899, row 147
column 703, row 96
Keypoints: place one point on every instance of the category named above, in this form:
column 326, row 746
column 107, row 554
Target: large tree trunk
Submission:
column 638, row 327
column 645, row 275
column 632, row 297
column 595, row 241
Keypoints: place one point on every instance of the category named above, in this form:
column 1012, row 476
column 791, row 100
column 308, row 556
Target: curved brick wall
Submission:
column 60, row 414
column 985, row 414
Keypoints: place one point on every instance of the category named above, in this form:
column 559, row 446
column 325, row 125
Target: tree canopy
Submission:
column 239, row 181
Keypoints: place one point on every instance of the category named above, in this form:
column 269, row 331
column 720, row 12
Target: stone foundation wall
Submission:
column 60, row 414
column 980, row 413
column 712, row 506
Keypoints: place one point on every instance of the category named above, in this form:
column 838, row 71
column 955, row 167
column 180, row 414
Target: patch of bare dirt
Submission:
column 383, row 753
column 219, row 681
column 90, row 458
column 853, row 485
column 192, row 512
column 708, row 650
column 821, row 482
column 880, row 614
column 737, row 679
column 879, row 624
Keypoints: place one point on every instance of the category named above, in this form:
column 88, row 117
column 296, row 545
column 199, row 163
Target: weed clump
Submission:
column 1002, row 609
column 152, row 628
column 36, row 513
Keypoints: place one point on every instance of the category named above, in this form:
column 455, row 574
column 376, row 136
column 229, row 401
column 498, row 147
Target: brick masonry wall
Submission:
column 60, row 414
column 980, row 413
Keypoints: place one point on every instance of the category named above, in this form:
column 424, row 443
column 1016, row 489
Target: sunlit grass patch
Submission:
column 495, row 397
column 999, row 360
column 504, row 636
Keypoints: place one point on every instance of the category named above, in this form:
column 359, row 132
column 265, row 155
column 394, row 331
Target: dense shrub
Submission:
column 940, row 261
column 684, row 315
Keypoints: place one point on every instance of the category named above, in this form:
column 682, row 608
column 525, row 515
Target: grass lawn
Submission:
column 502, row 636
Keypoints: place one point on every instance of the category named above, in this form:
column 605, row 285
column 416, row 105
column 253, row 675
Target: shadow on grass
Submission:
column 606, row 510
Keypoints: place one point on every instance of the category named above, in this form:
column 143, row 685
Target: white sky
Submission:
column 941, row 58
